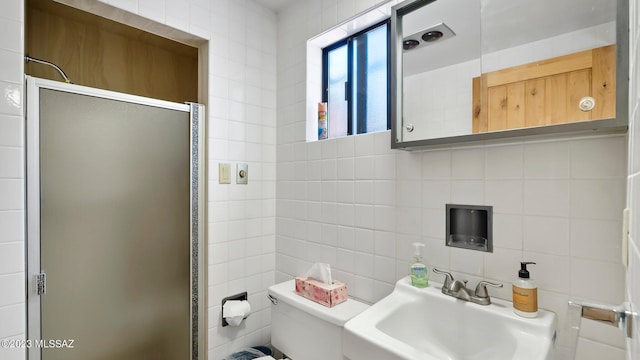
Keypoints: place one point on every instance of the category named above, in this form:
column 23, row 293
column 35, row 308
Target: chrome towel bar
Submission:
column 619, row 316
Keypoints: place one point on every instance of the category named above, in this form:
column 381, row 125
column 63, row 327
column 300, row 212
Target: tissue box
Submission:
column 325, row 294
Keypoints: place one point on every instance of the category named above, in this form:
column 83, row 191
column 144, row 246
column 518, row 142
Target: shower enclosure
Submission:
column 115, row 202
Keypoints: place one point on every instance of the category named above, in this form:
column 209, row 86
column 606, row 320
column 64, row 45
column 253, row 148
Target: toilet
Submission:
column 305, row 330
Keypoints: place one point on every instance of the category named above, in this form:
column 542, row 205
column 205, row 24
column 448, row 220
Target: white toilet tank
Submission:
column 305, row 330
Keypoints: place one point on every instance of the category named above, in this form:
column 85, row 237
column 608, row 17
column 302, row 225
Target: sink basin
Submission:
column 415, row 324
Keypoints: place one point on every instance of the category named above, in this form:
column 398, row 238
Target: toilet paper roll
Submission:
column 234, row 311
column 234, row 320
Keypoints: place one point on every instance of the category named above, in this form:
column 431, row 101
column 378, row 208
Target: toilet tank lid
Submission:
column 338, row 315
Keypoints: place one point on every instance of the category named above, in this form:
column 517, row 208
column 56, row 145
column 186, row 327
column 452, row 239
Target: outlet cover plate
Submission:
column 242, row 173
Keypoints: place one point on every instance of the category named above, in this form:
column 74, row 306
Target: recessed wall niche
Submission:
column 469, row 227
column 101, row 53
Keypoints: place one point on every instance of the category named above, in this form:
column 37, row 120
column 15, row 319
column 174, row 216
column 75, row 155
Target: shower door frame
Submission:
column 196, row 204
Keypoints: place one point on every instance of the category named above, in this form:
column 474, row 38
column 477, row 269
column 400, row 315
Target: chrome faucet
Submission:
column 458, row 289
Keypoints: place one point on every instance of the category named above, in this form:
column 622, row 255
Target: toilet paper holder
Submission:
column 240, row 296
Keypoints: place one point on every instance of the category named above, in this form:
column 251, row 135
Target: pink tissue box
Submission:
column 325, row 294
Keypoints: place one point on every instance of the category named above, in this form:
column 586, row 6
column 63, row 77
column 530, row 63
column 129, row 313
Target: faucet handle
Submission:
column 448, row 278
column 481, row 288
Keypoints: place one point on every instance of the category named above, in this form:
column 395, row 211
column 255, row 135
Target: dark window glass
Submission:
column 355, row 79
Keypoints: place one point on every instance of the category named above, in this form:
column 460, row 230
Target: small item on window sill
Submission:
column 323, row 131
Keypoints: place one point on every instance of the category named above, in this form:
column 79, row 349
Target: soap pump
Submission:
column 419, row 274
column 525, row 293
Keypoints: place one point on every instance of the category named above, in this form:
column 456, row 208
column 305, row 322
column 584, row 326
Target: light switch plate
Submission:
column 242, row 174
column 224, row 173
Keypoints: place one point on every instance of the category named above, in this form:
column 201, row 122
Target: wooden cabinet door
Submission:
column 546, row 92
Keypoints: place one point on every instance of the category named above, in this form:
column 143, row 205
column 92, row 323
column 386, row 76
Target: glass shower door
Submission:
column 115, row 228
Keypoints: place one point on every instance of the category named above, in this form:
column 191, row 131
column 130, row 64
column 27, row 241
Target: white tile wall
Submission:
column 12, row 301
column 242, row 72
column 242, row 128
column 244, row 131
column 556, row 202
column 633, row 180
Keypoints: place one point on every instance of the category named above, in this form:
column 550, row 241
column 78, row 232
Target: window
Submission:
column 355, row 79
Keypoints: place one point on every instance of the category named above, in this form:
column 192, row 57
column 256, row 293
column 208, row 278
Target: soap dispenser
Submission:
column 419, row 273
column 525, row 293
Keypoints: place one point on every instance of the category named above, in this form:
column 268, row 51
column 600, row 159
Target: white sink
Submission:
column 415, row 324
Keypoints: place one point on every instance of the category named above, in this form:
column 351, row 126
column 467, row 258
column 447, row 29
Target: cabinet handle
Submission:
column 587, row 103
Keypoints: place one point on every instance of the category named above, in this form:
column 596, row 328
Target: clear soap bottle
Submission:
column 419, row 271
